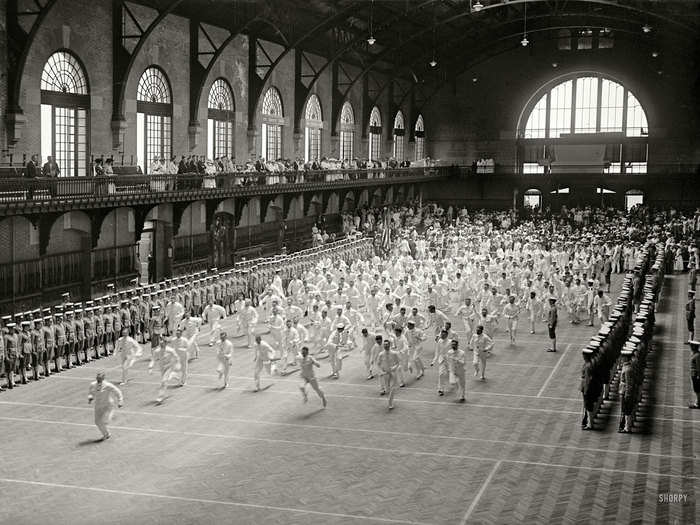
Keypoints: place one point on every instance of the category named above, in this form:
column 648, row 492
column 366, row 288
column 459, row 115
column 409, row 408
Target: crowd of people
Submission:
column 228, row 164
column 436, row 289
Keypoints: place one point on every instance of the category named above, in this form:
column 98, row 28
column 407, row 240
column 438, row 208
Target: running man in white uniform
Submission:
column 308, row 375
column 128, row 350
column 106, row 396
column 388, row 364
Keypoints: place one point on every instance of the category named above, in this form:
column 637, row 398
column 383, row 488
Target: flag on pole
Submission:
column 386, row 232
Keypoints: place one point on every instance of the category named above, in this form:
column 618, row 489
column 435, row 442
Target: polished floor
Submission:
column 514, row 452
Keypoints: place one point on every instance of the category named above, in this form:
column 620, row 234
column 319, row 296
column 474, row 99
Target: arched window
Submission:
column 273, row 120
column 347, row 132
column 375, row 134
column 65, row 111
column 419, row 132
column 532, row 199
column 399, row 132
column 584, row 104
column 632, row 198
column 312, row 135
column 154, row 119
column 220, row 119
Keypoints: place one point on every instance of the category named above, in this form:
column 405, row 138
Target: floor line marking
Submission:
column 475, row 502
column 280, row 379
column 207, row 501
column 554, row 370
column 364, row 398
column 355, row 447
column 367, row 431
column 402, row 399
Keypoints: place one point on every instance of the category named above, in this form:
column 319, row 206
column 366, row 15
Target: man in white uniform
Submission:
column 308, row 375
column 128, row 350
column 481, row 344
column 224, row 354
column 106, row 396
column 213, row 314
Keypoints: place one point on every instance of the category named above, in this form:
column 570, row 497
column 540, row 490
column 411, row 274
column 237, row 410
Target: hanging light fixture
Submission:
column 477, row 6
column 524, row 42
column 646, row 28
column 371, row 40
column 433, row 62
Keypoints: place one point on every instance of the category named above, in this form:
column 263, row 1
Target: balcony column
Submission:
column 119, row 127
column 194, row 132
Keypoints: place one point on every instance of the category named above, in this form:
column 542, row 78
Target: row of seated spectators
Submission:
column 199, row 164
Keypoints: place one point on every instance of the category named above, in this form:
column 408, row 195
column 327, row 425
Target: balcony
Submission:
column 20, row 195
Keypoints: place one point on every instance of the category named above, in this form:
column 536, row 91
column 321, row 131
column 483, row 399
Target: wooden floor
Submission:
column 514, row 453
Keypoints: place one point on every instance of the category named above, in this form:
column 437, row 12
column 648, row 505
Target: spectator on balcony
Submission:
column 157, row 167
column 31, row 172
column 108, row 171
column 191, row 164
column 50, row 169
column 171, row 166
column 182, row 166
column 99, row 168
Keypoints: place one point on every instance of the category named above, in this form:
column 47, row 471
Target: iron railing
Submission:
column 13, row 189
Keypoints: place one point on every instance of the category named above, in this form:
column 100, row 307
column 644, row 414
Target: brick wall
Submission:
column 3, row 77
column 468, row 119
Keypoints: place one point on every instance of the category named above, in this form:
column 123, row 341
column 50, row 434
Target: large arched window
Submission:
column 575, row 108
column 220, row 119
column 375, row 134
column 154, row 118
column 347, row 132
column 399, row 131
column 419, row 132
column 272, row 122
column 65, row 109
column 312, row 134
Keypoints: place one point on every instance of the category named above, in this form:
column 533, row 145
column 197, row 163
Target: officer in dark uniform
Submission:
column 26, row 351
column 2, row 350
column 12, row 353
column 61, row 342
column 48, row 332
column 39, row 356
column 79, row 325
column 89, row 327
column 69, row 326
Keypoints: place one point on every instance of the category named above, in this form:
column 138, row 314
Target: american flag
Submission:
column 386, row 232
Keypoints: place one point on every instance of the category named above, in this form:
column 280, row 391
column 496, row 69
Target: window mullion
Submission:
column 599, row 104
column 547, row 121
column 573, row 106
column 624, row 111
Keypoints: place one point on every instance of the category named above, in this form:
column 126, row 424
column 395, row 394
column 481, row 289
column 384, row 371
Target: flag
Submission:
column 386, row 232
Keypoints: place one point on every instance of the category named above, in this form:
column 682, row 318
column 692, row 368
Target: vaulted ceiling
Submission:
column 410, row 33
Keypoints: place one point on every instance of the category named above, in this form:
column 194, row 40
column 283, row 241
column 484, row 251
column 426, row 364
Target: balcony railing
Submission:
column 70, row 188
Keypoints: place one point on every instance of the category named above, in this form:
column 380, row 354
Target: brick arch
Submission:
column 103, row 227
column 348, row 203
column 190, row 218
column 333, row 204
column 250, row 212
column 19, row 239
column 67, row 231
